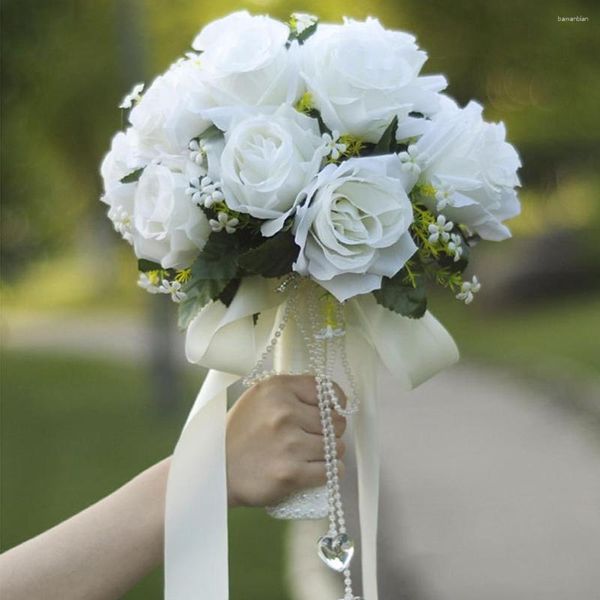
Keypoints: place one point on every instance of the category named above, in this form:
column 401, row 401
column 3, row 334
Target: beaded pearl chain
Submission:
column 324, row 339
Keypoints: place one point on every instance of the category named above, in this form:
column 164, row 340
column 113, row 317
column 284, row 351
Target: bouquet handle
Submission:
column 291, row 356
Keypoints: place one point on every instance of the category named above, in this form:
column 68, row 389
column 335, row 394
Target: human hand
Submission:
column 275, row 443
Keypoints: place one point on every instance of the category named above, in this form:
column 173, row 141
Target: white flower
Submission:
column 333, row 147
column 455, row 247
column 353, row 228
column 204, row 191
column 245, row 61
column 173, row 288
column 440, row 229
column 122, row 222
column 223, row 222
column 134, row 96
column 198, row 151
column 302, row 21
column 148, row 283
column 169, row 229
column 361, row 75
column 267, row 160
column 444, row 197
column 468, row 289
column 470, row 160
column 123, row 158
column 409, row 161
column 170, row 112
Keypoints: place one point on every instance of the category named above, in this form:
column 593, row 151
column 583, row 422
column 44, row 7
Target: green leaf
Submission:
column 199, row 294
column 400, row 296
column 273, row 258
column 302, row 37
column 387, row 142
column 218, row 259
column 132, row 177
column 147, row 265
column 229, row 291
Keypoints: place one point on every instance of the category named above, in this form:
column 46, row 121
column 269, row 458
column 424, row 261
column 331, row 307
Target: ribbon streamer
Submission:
column 226, row 340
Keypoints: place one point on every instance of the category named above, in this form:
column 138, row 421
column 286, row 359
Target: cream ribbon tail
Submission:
column 227, row 341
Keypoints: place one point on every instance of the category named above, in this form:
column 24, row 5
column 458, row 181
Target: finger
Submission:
column 308, row 418
column 313, row 474
column 310, row 448
column 339, row 423
column 313, row 449
column 304, row 387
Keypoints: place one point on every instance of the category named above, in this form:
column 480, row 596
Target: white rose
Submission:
column 245, row 61
column 354, row 227
column 472, row 167
column 168, row 228
column 361, row 75
column 267, row 160
column 170, row 112
column 122, row 159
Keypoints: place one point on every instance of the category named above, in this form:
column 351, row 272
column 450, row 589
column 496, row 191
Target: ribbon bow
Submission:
column 228, row 342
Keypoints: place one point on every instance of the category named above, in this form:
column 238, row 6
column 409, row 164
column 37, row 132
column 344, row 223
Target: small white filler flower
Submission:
column 134, row 96
column 440, row 230
column 409, row 161
column 468, row 289
column 197, row 150
column 443, row 196
column 302, row 21
column 333, row 147
column 173, row 288
column 204, row 191
column 455, row 247
column 223, row 222
column 148, row 283
column 122, row 222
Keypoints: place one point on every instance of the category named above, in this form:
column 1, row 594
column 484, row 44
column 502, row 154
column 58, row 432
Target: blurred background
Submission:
column 496, row 491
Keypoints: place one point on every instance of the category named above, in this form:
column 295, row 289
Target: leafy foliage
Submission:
column 199, row 295
column 218, row 259
column 147, row 265
column 387, row 142
column 133, row 176
column 214, row 276
column 398, row 294
column 273, row 258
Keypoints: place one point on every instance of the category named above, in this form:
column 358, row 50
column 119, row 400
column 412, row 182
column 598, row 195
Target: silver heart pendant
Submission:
column 336, row 552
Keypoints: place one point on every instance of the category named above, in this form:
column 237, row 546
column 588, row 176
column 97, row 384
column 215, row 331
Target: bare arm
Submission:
column 97, row 554
column 274, row 447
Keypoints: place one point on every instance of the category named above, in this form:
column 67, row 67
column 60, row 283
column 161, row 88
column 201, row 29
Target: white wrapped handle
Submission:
column 290, row 356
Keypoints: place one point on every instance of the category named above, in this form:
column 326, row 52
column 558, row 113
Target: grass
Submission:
column 553, row 338
column 73, row 430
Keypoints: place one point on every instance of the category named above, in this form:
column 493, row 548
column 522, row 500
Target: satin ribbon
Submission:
column 226, row 340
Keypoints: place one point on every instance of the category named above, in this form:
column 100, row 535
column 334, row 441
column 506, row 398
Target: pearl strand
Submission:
column 323, row 350
column 322, row 353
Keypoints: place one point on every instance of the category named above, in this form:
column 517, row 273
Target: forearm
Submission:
column 99, row 553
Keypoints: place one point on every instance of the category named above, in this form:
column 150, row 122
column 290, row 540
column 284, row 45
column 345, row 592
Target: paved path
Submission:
column 490, row 491
column 490, row 484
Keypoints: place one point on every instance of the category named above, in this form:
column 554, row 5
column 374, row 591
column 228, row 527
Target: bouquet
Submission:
column 317, row 160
